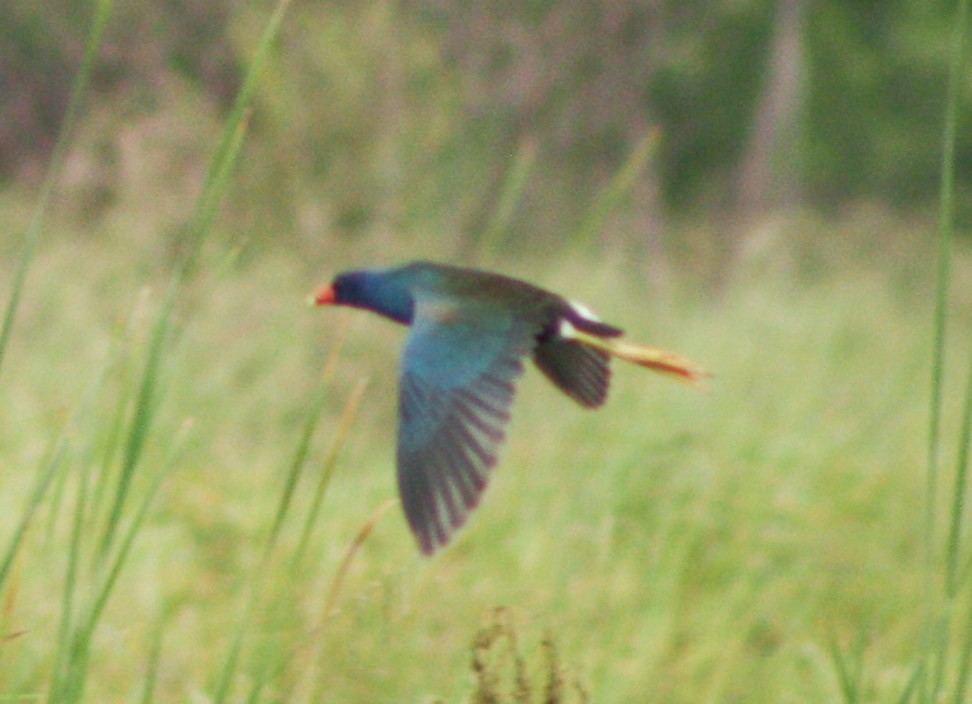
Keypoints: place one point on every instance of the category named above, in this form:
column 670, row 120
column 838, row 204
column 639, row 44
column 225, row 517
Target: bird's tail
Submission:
column 646, row 356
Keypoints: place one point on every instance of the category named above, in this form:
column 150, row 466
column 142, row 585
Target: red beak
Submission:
column 324, row 295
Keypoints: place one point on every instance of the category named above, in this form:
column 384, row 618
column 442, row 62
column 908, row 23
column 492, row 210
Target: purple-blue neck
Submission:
column 383, row 291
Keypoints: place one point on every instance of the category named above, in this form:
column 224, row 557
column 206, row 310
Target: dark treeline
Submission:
column 398, row 113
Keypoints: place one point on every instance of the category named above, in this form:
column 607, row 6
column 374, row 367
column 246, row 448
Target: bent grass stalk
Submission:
column 338, row 582
column 319, row 690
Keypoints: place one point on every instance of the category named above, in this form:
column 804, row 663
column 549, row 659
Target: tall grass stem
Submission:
column 514, row 186
column 613, row 194
column 938, row 625
column 329, row 465
column 75, row 102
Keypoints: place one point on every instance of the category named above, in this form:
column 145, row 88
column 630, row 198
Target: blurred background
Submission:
column 751, row 183
column 409, row 121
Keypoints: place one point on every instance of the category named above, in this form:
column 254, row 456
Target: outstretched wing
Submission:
column 459, row 366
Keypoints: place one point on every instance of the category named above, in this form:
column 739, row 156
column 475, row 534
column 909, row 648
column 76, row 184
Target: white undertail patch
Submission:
column 584, row 312
column 566, row 330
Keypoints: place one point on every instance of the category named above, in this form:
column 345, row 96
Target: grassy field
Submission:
column 198, row 485
column 759, row 542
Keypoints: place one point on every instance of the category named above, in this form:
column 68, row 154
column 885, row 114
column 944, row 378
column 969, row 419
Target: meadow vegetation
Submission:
column 675, row 546
column 197, row 479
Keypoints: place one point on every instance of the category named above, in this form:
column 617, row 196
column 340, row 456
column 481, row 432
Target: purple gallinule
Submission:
column 470, row 331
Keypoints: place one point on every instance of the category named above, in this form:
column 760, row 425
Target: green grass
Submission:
column 199, row 492
column 674, row 546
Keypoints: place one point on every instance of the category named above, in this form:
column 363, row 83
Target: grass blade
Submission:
column 954, row 543
column 214, row 186
column 327, row 471
column 303, row 446
column 231, row 139
column 223, row 685
column 616, row 190
column 514, row 186
column 36, row 496
column 936, row 641
column 296, row 467
column 78, row 90
column 965, row 660
column 138, row 431
column 849, row 670
column 152, row 670
column 946, row 229
column 72, row 675
column 63, row 667
column 319, row 687
column 911, row 686
column 349, row 555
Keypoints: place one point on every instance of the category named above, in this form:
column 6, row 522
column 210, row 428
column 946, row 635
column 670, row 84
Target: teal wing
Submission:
column 459, row 367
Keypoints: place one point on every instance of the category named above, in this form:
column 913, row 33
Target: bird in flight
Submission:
column 470, row 331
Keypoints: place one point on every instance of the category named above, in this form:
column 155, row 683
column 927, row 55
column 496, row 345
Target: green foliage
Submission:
column 674, row 546
column 360, row 109
column 877, row 91
column 196, row 512
column 407, row 118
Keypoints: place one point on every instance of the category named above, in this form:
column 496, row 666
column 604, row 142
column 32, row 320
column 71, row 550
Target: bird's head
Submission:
column 351, row 288
column 376, row 290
